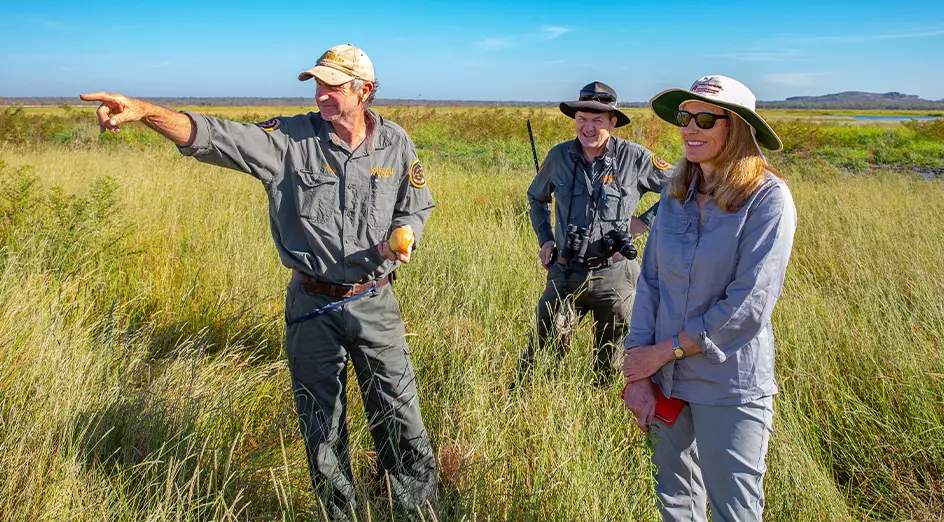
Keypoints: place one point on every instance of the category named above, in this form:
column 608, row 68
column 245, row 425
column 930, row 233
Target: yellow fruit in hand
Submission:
column 401, row 239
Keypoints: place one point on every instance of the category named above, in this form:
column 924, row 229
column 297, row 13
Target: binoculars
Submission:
column 575, row 244
column 619, row 241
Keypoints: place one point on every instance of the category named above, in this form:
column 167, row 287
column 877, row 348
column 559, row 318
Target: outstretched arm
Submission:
column 116, row 109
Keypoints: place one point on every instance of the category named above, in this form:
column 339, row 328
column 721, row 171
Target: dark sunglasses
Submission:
column 704, row 120
column 602, row 97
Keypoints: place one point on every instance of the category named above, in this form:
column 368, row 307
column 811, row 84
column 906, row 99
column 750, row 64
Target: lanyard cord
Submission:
column 590, row 191
column 590, row 194
column 570, row 204
column 332, row 306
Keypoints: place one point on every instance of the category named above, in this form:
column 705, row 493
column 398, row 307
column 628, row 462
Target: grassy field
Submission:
column 141, row 366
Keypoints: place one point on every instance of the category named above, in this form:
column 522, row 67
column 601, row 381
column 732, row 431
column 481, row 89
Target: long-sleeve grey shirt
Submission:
column 329, row 207
column 719, row 283
column 601, row 196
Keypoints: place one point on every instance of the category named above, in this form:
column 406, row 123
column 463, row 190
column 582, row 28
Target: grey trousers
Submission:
column 571, row 293
column 713, row 453
column 368, row 332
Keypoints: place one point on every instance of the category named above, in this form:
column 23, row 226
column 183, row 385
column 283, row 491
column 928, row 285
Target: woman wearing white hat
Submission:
column 700, row 354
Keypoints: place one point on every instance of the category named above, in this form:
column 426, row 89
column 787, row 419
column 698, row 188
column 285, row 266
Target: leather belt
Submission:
column 596, row 262
column 334, row 290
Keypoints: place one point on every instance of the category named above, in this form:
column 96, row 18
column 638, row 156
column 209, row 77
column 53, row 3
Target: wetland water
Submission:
column 894, row 118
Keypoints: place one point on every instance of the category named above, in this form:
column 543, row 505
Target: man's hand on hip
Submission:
column 545, row 254
column 637, row 227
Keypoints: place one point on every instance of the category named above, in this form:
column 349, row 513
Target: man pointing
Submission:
column 338, row 183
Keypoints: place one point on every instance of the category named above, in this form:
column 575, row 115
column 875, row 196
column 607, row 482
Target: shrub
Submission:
column 930, row 129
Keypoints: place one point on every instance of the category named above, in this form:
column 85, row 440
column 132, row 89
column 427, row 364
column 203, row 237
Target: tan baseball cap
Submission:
column 339, row 65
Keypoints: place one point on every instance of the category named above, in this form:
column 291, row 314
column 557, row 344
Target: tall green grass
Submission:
column 142, row 376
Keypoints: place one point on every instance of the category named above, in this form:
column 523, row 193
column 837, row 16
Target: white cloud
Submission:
column 874, row 37
column 871, row 37
column 504, row 42
column 495, row 44
column 54, row 25
column 550, row 31
column 805, row 78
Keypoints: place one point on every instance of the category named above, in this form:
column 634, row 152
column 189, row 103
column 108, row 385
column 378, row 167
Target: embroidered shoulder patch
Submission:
column 417, row 179
column 269, row 125
column 660, row 163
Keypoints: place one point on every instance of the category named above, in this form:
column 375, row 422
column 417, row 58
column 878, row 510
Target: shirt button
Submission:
column 678, row 316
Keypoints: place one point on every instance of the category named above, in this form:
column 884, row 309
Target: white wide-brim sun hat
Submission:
column 724, row 92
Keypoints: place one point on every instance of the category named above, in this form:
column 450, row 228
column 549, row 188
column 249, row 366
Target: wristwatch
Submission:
column 676, row 349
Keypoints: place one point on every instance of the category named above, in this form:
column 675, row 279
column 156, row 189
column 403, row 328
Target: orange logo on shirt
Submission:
column 378, row 172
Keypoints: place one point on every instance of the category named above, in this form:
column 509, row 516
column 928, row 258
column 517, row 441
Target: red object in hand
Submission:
column 667, row 409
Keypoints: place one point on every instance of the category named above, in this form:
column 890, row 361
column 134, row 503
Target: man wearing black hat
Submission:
column 596, row 182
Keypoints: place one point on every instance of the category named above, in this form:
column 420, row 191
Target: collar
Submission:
column 375, row 140
column 691, row 189
column 378, row 138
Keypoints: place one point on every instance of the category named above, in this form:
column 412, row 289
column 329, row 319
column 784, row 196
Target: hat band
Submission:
column 602, row 97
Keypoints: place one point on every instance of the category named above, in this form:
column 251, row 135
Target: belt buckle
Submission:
column 600, row 262
column 348, row 289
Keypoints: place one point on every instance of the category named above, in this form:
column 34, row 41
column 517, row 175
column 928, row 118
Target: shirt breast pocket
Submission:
column 717, row 252
column 671, row 230
column 611, row 202
column 316, row 195
column 383, row 198
column 571, row 197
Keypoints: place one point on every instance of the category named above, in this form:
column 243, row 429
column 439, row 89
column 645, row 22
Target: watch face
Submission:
column 679, row 353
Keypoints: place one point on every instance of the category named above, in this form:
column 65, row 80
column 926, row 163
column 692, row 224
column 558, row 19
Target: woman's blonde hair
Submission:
column 741, row 168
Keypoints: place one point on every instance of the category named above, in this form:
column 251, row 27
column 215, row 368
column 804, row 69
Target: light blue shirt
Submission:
column 719, row 283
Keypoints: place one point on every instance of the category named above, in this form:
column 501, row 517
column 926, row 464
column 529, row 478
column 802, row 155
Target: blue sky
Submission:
column 489, row 50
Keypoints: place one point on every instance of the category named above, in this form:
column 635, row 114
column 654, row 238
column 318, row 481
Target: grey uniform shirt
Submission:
column 601, row 196
column 329, row 207
column 719, row 283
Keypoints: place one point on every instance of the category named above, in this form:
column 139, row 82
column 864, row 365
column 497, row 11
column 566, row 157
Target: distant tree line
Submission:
column 901, row 105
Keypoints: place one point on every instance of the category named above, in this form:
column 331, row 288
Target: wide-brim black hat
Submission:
column 595, row 97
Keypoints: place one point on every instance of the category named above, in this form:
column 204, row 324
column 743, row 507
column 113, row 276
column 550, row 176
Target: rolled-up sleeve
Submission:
column 642, row 329
column 539, row 198
column 240, row 146
column 649, row 216
column 763, row 252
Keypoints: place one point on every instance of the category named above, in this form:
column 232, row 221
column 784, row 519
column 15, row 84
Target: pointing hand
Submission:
column 114, row 110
